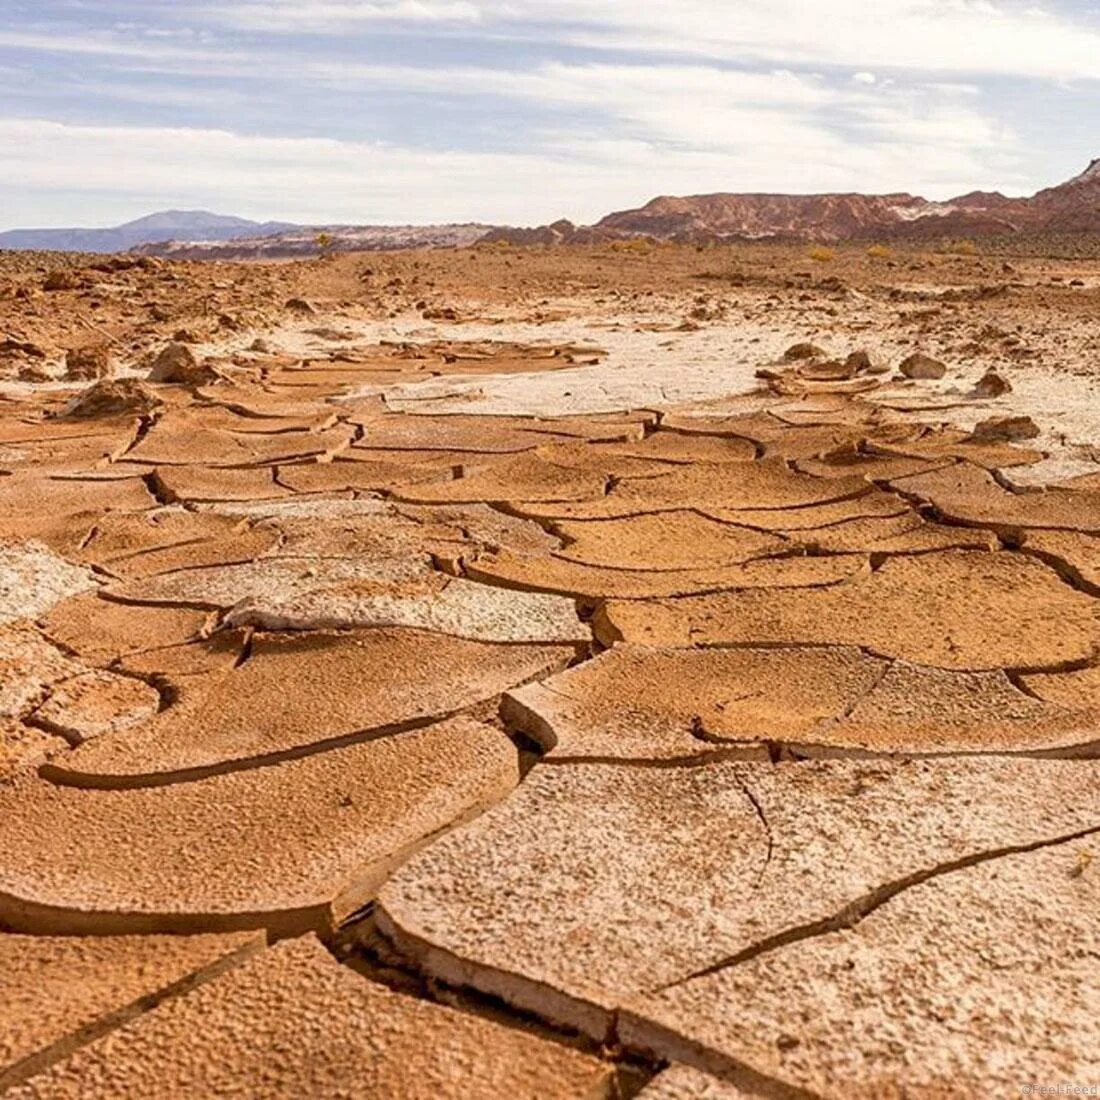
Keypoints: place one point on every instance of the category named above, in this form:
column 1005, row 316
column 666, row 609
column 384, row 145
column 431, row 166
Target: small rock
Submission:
column 61, row 280
column 300, row 305
column 111, row 396
column 1005, row 429
column 34, row 372
column 863, row 362
column 262, row 346
column 922, row 366
column 991, row 384
column 832, row 370
column 87, row 363
column 13, row 343
column 325, row 332
column 804, row 351
column 177, row 363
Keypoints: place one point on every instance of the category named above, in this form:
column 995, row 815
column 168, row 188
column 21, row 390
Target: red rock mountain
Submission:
column 1072, row 207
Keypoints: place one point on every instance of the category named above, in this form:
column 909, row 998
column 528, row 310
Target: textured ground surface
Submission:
column 510, row 674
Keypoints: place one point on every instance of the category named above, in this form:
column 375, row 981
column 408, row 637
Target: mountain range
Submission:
column 1072, row 207
column 1069, row 209
column 304, row 241
column 167, row 225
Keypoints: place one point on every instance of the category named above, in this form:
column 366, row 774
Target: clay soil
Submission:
column 634, row 670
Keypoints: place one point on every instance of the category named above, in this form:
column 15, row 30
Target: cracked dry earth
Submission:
column 355, row 745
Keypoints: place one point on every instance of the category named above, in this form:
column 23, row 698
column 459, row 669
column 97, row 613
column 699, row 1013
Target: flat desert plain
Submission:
column 616, row 671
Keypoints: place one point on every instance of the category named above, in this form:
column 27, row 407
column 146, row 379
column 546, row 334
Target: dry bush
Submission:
column 878, row 252
column 822, row 255
column 639, row 245
column 961, row 248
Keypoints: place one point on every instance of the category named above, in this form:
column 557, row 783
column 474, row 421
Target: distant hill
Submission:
column 1070, row 208
column 190, row 225
column 302, row 241
column 199, row 235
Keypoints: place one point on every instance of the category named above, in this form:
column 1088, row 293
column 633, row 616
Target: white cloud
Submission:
column 120, row 45
column 130, row 170
column 761, row 95
column 810, row 128
column 303, row 179
column 957, row 36
column 326, row 14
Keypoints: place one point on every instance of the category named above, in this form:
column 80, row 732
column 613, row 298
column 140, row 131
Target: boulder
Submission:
column 991, row 384
column 922, row 366
column 798, row 352
column 88, row 363
column 13, row 343
column 111, row 396
column 61, row 280
column 177, row 363
column 34, row 373
column 863, row 362
column 1005, row 429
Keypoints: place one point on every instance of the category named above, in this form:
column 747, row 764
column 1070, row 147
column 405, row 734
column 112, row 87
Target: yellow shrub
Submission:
column 822, row 255
column 640, row 245
column 878, row 252
column 962, row 248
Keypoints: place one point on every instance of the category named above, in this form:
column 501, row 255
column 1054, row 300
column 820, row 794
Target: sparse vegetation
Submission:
column 1081, row 864
column 640, row 245
column 325, row 243
column 960, row 248
column 820, row 254
column 879, row 252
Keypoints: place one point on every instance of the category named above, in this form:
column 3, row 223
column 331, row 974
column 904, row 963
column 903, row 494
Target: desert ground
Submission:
column 640, row 670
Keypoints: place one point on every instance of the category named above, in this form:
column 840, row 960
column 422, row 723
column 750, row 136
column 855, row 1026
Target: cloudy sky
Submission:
column 528, row 110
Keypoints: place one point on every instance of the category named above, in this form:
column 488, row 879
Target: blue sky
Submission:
column 527, row 110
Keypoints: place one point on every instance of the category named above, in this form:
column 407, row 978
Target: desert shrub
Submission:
column 638, row 245
column 878, row 252
column 822, row 255
column 961, row 248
